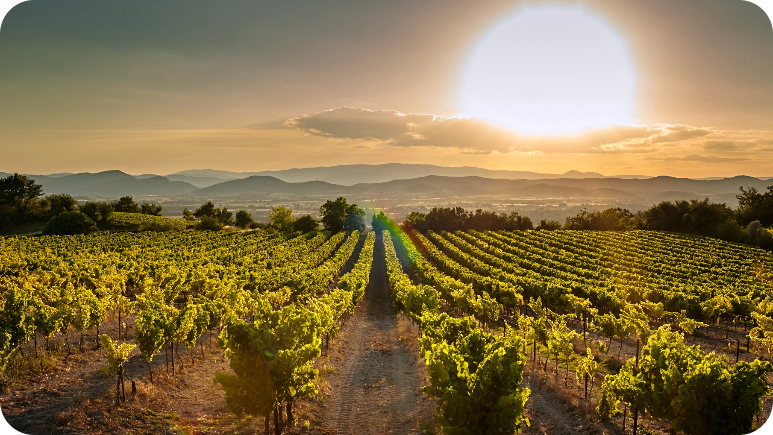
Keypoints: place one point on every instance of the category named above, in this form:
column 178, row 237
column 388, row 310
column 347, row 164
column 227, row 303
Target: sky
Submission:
column 681, row 88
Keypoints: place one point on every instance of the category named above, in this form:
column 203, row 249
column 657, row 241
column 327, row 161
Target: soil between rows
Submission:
column 379, row 372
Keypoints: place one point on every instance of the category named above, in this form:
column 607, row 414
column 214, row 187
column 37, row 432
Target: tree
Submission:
column 71, row 222
column 547, row 225
column 225, row 216
column 96, row 211
column 485, row 220
column 516, row 222
column 126, row 204
column 339, row 215
column 209, row 223
column 446, row 219
column 611, row 219
column 18, row 200
column 18, row 190
column 243, row 219
column 415, row 220
column 188, row 215
column 305, row 224
column 281, row 218
column 58, row 204
column 221, row 215
column 151, row 209
column 355, row 218
column 732, row 232
column 694, row 217
column 753, row 206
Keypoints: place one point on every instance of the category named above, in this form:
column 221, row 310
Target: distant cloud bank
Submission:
column 473, row 136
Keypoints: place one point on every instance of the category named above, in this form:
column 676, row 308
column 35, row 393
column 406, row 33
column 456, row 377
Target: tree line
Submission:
column 337, row 216
column 746, row 224
column 21, row 201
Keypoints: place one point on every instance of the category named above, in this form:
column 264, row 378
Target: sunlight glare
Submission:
column 549, row 70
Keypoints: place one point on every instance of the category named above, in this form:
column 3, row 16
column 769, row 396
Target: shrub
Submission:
column 305, row 224
column 243, row 219
column 70, row 222
column 209, row 223
column 732, row 232
column 547, row 225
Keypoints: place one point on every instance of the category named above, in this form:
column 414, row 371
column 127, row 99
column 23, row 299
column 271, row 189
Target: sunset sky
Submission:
column 657, row 87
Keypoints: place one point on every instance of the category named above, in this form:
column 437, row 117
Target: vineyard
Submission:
column 144, row 222
column 632, row 331
column 560, row 290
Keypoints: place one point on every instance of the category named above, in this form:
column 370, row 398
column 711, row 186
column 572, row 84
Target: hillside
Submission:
column 265, row 185
column 349, row 175
column 111, row 184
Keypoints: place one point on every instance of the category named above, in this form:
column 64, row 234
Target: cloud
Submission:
column 678, row 133
column 471, row 135
column 704, row 159
column 720, row 145
column 401, row 129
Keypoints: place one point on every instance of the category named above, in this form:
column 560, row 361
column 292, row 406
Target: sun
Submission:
column 549, row 70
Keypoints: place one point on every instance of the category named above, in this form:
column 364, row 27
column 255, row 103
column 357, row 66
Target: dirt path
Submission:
column 376, row 386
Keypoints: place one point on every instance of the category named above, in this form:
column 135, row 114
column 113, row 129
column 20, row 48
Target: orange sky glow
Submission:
column 268, row 86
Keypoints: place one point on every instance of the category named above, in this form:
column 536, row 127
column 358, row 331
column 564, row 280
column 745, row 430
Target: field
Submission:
column 384, row 331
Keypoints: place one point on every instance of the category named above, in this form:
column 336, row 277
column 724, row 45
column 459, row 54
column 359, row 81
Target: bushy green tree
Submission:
column 281, row 218
column 243, row 219
column 58, row 204
column 611, row 219
column 126, row 204
column 71, row 222
column 305, row 224
column 221, row 215
column 19, row 200
column 731, row 232
column 339, row 215
column 754, row 205
column 209, row 223
column 18, row 190
column 516, row 222
column 547, row 225
column 151, row 209
column 700, row 217
column 96, row 211
column 188, row 215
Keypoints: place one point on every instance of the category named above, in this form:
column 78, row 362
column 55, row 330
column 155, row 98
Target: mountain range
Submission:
column 349, row 175
column 295, row 182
